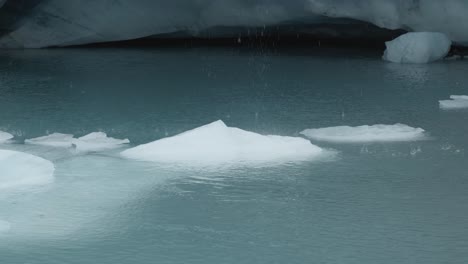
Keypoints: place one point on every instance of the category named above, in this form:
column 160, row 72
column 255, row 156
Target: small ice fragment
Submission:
column 18, row 169
column 96, row 141
column 4, row 137
column 216, row 143
column 374, row 133
column 455, row 102
column 53, row 140
column 417, row 47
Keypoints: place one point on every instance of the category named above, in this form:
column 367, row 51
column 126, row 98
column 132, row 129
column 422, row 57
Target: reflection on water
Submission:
column 372, row 203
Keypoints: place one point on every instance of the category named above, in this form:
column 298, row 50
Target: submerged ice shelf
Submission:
column 374, row 133
column 20, row 169
column 96, row 141
column 4, row 137
column 217, row 143
column 4, row 226
column 455, row 102
column 417, row 47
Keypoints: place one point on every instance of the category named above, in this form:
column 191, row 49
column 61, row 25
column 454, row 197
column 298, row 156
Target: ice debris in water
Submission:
column 52, row 140
column 216, row 143
column 96, row 141
column 4, row 137
column 455, row 102
column 417, row 47
column 384, row 133
column 18, row 169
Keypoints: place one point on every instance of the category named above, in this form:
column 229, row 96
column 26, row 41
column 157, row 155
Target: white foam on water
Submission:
column 216, row 143
column 18, row 170
column 4, row 137
column 93, row 142
column 374, row 133
column 455, row 102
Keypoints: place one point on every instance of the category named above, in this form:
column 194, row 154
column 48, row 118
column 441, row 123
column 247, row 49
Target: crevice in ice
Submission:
column 18, row 169
column 374, row 133
column 216, row 143
column 93, row 142
column 455, row 102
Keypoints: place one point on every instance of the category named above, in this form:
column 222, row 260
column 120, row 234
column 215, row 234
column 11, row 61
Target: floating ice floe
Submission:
column 52, row 140
column 216, row 143
column 18, row 169
column 417, row 47
column 374, row 133
column 455, row 102
column 5, row 137
column 96, row 141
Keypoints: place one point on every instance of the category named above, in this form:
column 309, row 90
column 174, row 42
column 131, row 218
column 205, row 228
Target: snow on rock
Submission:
column 417, row 47
column 455, row 102
column 374, row 133
column 4, row 137
column 96, row 141
column 18, row 169
column 216, row 143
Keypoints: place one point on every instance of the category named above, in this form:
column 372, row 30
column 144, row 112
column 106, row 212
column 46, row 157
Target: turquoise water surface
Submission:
column 371, row 203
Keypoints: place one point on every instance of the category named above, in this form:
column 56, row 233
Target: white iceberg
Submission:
column 18, row 169
column 96, row 141
column 417, row 47
column 4, row 137
column 374, row 133
column 216, row 143
column 455, row 102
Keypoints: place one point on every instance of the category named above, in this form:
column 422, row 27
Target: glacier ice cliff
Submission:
column 44, row 23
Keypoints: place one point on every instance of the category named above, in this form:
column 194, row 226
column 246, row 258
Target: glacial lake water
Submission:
column 372, row 203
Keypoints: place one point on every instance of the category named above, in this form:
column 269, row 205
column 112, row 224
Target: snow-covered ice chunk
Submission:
column 4, row 137
column 52, row 140
column 4, row 226
column 455, row 102
column 417, row 47
column 216, row 143
column 96, row 141
column 374, row 133
column 18, row 169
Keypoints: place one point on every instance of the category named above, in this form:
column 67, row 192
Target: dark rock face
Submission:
column 45, row 23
